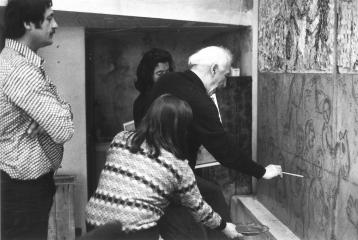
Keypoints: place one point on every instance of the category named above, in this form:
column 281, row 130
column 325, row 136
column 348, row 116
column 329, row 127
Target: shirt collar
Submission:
column 25, row 51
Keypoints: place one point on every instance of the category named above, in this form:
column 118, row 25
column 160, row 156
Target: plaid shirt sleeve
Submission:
column 28, row 88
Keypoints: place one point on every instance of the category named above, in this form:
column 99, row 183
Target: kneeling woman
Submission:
column 145, row 170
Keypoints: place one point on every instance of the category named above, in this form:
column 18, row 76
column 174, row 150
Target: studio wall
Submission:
column 64, row 62
column 308, row 115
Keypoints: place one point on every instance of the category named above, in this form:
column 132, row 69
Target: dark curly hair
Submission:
column 18, row 12
column 147, row 65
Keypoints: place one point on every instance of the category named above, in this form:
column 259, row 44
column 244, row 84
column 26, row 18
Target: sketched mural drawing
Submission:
column 352, row 211
column 310, row 131
column 313, row 123
column 318, row 211
column 294, row 103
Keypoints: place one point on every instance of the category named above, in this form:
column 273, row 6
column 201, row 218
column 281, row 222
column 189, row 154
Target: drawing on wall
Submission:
column 300, row 140
column 318, row 212
column 317, row 163
column 294, row 102
column 354, row 88
column 309, row 137
column 343, row 155
column 296, row 35
column 281, row 190
column 347, row 36
column 311, row 130
column 352, row 211
column 298, row 192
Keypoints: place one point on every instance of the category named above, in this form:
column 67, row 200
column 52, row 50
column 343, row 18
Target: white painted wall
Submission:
column 214, row 11
column 65, row 64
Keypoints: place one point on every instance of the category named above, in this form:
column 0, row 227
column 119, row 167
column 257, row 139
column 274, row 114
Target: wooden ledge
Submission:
column 247, row 209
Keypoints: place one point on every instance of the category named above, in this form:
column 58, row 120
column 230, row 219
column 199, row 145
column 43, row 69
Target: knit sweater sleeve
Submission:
column 191, row 198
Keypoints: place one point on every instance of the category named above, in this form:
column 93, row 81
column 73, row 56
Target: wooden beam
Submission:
column 254, row 211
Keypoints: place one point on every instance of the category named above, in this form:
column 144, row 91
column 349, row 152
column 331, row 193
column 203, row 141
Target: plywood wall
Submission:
column 308, row 124
column 308, row 115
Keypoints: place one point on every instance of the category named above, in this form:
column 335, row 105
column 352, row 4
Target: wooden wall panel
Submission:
column 347, row 36
column 308, row 124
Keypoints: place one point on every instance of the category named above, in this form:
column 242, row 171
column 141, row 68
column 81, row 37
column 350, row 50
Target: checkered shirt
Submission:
column 27, row 95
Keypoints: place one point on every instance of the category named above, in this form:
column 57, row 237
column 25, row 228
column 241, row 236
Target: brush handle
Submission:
column 292, row 174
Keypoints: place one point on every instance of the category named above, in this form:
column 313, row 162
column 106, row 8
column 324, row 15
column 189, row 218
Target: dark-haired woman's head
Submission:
column 155, row 63
column 165, row 126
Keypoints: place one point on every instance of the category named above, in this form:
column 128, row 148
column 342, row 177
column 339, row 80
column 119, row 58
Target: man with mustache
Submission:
column 35, row 121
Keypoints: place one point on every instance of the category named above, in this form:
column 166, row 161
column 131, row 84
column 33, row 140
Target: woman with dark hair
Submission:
column 147, row 169
column 155, row 63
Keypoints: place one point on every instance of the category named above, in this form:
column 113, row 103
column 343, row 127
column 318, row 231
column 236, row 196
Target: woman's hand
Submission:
column 230, row 231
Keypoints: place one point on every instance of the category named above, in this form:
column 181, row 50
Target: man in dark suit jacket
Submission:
column 208, row 70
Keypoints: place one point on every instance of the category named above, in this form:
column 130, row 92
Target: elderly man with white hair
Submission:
column 209, row 68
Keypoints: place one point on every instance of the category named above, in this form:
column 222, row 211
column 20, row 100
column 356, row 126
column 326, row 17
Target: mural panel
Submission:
column 308, row 124
column 296, row 36
column 347, row 36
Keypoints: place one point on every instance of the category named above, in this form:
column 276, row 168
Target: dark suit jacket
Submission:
column 140, row 107
column 206, row 128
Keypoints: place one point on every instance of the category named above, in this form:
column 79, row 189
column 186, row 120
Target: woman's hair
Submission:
column 18, row 12
column 164, row 126
column 147, row 65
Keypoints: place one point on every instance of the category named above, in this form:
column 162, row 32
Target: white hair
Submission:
column 211, row 55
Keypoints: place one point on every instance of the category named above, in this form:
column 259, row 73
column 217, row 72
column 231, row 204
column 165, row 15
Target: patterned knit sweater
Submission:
column 134, row 189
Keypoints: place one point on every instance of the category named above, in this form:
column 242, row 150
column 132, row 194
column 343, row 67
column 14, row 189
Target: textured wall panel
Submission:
column 347, row 36
column 308, row 124
column 296, row 36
